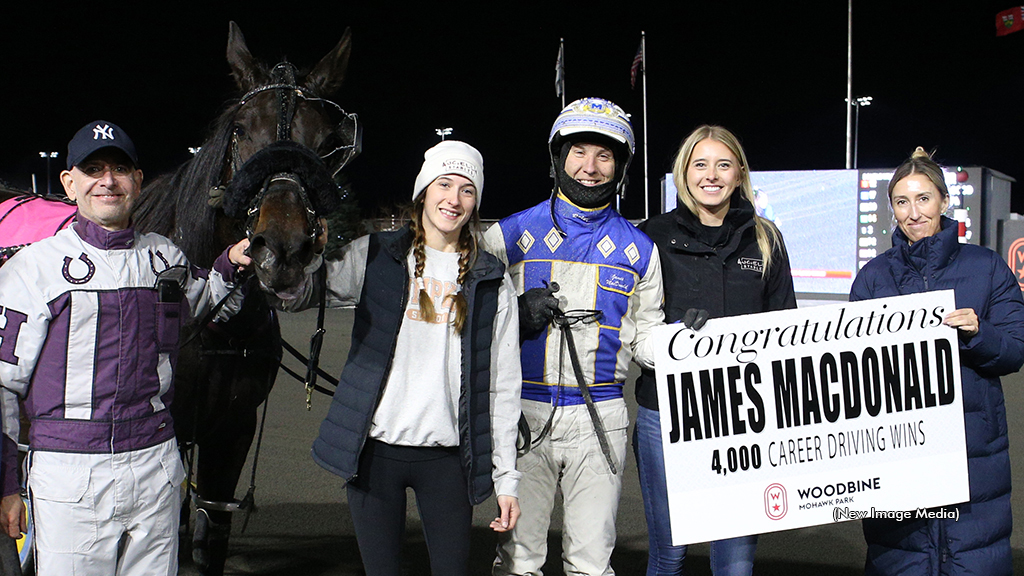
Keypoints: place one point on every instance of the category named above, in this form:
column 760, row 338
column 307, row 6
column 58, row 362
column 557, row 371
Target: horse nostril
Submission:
column 257, row 243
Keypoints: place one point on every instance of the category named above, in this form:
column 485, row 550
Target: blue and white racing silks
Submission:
column 604, row 263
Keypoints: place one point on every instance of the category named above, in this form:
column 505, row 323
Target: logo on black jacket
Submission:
column 752, row 264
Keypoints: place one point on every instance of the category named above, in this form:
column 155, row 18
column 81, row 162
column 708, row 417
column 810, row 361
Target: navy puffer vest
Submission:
column 378, row 319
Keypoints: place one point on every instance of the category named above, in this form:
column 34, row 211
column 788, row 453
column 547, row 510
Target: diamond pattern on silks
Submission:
column 632, row 252
column 606, row 246
column 553, row 239
column 525, row 241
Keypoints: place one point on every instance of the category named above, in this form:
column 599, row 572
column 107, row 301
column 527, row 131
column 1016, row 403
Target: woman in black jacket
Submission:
column 716, row 255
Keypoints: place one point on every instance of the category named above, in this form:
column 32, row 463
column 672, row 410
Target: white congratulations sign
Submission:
column 803, row 417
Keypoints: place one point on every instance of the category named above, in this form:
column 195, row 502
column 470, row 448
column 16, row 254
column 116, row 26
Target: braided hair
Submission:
column 468, row 246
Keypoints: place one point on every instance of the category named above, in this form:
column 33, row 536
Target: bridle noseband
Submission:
column 253, row 213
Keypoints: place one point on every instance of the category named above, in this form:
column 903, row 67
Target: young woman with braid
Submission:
column 429, row 397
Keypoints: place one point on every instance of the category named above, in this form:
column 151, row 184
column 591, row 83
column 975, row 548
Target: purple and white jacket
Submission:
column 87, row 342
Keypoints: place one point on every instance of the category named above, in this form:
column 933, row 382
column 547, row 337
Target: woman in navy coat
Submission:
column 926, row 255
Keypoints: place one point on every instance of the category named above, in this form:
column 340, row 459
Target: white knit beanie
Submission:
column 451, row 157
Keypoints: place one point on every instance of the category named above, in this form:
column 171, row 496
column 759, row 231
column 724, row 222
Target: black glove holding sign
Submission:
column 537, row 307
column 694, row 318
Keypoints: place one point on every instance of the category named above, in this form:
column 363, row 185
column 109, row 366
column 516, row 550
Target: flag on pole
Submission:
column 1010, row 20
column 638, row 65
column 560, row 70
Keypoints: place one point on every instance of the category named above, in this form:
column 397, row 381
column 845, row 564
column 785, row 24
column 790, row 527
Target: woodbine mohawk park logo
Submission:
column 775, row 502
column 1015, row 258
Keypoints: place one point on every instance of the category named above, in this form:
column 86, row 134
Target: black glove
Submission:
column 694, row 318
column 537, row 306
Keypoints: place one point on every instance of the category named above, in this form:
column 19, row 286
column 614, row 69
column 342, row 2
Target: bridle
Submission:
column 252, row 215
column 282, row 80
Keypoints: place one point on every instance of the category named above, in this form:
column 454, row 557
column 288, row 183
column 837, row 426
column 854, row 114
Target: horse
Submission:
column 267, row 172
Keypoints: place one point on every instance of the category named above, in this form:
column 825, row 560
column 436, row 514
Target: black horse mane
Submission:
column 177, row 206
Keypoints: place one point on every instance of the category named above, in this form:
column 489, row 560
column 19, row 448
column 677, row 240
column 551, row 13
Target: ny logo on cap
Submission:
column 105, row 132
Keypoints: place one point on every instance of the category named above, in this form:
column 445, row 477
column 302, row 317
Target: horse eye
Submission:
column 239, row 131
column 328, row 144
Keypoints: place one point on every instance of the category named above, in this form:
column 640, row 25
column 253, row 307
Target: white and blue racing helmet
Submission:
column 596, row 116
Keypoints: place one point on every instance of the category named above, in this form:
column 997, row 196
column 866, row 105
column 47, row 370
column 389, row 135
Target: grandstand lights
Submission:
column 857, row 103
column 48, row 155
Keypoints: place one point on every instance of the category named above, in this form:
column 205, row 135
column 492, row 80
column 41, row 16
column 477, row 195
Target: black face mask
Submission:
column 578, row 194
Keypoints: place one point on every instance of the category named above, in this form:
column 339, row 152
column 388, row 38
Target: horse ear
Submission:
column 240, row 59
column 328, row 75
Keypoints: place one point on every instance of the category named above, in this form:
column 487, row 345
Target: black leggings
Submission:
column 376, row 498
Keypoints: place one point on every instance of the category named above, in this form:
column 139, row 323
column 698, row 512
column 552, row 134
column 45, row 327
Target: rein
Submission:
column 564, row 321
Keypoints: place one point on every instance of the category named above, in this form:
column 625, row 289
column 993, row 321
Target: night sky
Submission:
column 774, row 73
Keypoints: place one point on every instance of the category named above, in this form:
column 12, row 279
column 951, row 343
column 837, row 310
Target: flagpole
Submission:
column 849, row 83
column 643, row 64
column 560, row 71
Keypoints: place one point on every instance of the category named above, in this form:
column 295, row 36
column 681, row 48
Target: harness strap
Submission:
column 316, row 341
column 305, row 361
column 288, row 92
column 284, row 74
column 602, row 436
column 248, row 502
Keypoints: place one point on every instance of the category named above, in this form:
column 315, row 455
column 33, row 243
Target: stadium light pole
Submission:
column 849, row 82
column 48, row 155
column 442, row 132
column 858, row 103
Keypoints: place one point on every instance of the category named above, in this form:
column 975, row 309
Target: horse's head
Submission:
column 281, row 193
column 280, row 103
column 287, row 142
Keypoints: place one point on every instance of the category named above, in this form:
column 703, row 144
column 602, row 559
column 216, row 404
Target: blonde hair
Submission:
column 768, row 237
column 468, row 246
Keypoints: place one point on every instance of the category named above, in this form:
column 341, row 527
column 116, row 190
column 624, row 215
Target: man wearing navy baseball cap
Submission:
column 89, row 339
column 103, row 177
